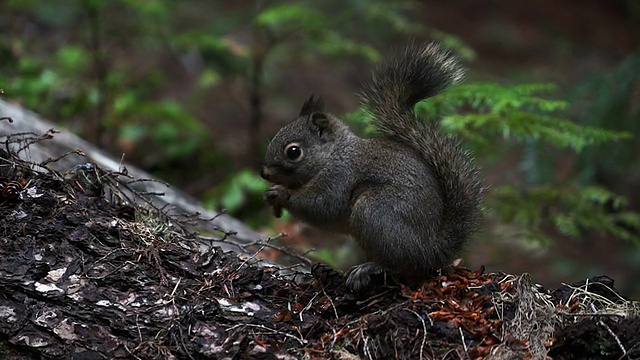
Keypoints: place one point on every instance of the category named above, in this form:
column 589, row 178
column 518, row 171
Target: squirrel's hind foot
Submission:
column 359, row 277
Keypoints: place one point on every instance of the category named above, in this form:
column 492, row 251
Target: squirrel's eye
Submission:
column 293, row 152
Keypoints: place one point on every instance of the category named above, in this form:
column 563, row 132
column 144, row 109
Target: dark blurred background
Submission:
column 192, row 90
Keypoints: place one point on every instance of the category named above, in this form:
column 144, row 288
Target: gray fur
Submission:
column 410, row 198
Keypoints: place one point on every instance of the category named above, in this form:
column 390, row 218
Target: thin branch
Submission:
column 299, row 339
column 424, row 331
column 50, row 160
column 615, row 337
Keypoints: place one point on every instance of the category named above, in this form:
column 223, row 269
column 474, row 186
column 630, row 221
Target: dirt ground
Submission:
column 91, row 270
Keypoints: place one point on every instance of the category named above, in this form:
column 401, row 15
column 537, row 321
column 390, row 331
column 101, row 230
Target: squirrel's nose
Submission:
column 265, row 173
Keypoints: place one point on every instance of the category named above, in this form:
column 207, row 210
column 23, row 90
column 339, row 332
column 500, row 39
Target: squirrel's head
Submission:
column 302, row 148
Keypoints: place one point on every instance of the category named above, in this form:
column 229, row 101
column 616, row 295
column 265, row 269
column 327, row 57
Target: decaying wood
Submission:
column 64, row 141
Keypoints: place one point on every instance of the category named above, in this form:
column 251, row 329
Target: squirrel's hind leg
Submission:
column 391, row 235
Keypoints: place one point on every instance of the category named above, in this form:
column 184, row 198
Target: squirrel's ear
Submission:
column 320, row 120
column 311, row 105
column 320, row 123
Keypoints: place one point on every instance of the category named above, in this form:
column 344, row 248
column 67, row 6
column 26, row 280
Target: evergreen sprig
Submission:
column 487, row 109
column 574, row 211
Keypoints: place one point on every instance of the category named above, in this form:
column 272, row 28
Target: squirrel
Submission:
column 411, row 197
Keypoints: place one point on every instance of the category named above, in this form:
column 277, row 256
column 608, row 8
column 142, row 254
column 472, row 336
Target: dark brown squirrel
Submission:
column 411, row 197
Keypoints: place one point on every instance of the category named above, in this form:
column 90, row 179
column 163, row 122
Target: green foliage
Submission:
column 231, row 194
column 488, row 110
column 53, row 85
column 164, row 123
column 221, row 55
column 321, row 33
column 511, row 112
column 574, row 211
column 93, row 82
column 334, row 257
column 241, row 195
column 289, row 18
column 305, row 30
column 517, row 112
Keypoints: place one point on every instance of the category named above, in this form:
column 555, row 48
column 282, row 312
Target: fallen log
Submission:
column 86, row 275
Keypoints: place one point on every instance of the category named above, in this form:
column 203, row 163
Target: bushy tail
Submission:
column 398, row 84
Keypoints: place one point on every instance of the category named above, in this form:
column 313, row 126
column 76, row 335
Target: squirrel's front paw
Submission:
column 359, row 276
column 277, row 196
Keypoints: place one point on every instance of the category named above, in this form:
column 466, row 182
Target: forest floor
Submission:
column 89, row 270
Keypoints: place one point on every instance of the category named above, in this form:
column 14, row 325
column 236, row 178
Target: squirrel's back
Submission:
column 398, row 84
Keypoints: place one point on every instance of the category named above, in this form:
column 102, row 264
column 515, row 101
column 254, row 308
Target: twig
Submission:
column 333, row 306
column 630, row 350
column 118, row 173
column 152, row 193
column 184, row 346
column 367, row 352
column 138, row 327
column 424, row 331
column 568, row 314
column 223, row 211
column 175, row 288
column 255, row 254
column 130, row 351
column 464, row 344
column 369, row 299
column 282, row 249
column 50, row 160
column 145, row 180
column 624, row 351
column 30, row 141
column 334, row 339
column 307, row 307
column 299, row 339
